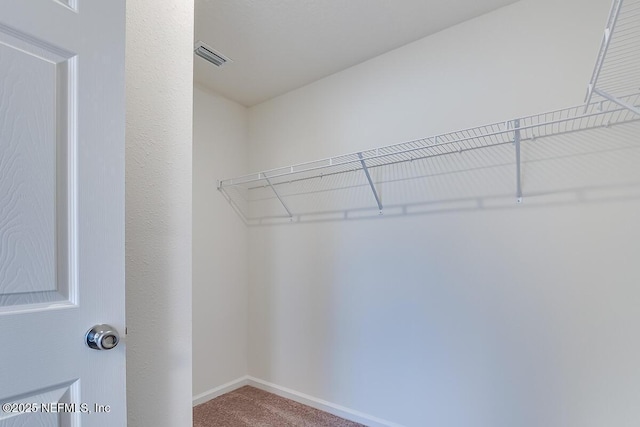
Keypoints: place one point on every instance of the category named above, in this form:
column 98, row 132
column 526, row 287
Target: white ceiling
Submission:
column 280, row 45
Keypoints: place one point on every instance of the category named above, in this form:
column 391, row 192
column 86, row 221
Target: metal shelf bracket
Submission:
column 618, row 101
column 516, row 140
column 284, row 205
column 373, row 188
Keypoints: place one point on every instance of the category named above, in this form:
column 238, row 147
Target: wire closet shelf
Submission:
column 618, row 62
column 276, row 194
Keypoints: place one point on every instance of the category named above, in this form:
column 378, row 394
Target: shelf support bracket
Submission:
column 373, row 188
column 620, row 102
column 284, row 205
column 516, row 140
column 233, row 204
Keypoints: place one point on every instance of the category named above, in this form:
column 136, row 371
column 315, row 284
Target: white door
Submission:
column 61, row 211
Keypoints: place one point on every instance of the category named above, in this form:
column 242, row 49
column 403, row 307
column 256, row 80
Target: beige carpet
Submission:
column 251, row 407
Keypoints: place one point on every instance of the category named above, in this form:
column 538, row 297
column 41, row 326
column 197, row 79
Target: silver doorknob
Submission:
column 102, row 337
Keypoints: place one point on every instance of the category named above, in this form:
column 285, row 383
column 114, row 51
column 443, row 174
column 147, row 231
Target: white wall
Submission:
column 220, row 252
column 159, row 65
column 504, row 316
column 527, row 58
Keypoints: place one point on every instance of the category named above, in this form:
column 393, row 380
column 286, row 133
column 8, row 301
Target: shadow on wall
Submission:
column 598, row 165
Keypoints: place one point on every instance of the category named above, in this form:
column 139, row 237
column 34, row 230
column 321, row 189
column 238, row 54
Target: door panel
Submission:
column 61, row 211
column 51, row 407
column 34, row 220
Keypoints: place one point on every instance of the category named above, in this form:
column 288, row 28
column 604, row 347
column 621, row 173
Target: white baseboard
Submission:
column 219, row 391
column 323, row 405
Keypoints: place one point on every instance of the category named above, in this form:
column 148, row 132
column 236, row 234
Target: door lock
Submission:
column 102, row 337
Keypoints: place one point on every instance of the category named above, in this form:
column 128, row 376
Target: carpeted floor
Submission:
column 251, row 407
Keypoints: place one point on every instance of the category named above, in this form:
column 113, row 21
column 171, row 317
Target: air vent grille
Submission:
column 207, row 53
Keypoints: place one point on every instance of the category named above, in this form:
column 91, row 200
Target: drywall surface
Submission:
column 220, row 245
column 159, row 63
column 482, row 314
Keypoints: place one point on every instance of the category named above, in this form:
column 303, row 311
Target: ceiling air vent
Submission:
column 206, row 52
